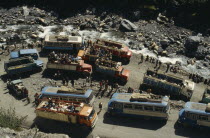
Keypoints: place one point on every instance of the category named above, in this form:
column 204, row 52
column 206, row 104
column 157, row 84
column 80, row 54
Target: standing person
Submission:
column 26, row 95
column 130, row 90
column 116, row 87
column 72, row 83
column 142, row 58
column 63, row 81
column 100, row 106
column 168, row 66
column 67, row 80
column 101, row 85
column 106, row 85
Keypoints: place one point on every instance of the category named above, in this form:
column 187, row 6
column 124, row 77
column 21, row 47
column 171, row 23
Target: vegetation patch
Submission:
column 9, row 119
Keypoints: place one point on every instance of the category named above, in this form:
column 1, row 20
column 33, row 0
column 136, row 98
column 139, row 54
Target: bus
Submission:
column 195, row 115
column 62, row 42
column 148, row 106
column 68, row 94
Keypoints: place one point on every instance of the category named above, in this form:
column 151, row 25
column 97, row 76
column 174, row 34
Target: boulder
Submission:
column 201, row 52
column 127, row 26
column 192, row 41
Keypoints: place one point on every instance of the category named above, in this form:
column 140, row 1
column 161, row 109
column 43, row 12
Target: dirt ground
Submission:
column 106, row 126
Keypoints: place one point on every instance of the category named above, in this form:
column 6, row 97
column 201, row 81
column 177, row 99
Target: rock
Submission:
column 162, row 19
column 164, row 42
column 192, row 41
column 41, row 21
column 20, row 21
column 34, row 36
column 126, row 25
column 201, row 52
column 191, row 61
column 25, row 11
column 136, row 15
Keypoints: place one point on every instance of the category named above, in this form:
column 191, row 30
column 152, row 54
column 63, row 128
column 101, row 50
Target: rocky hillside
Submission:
column 31, row 133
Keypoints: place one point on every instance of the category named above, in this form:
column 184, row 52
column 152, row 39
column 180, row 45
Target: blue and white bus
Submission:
column 68, row 94
column 139, row 105
column 195, row 115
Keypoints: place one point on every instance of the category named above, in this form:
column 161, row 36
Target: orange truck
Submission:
column 76, row 65
column 117, row 49
column 70, row 112
column 112, row 68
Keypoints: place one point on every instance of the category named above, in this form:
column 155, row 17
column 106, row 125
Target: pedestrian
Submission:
column 100, row 106
column 25, row 91
column 147, row 58
column 72, row 83
column 156, row 64
column 67, row 80
column 87, row 79
column 101, row 85
column 63, row 81
column 160, row 63
column 130, row 90
column 106, row 85
column 168, row 66
column 142, row 58
column 116, row 87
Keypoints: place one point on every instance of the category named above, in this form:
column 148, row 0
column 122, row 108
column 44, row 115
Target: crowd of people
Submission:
column 61, row 107
column 62, row 58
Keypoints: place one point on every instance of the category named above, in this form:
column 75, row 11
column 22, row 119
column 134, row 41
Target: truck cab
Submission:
column 123, row 74
column 16, row 87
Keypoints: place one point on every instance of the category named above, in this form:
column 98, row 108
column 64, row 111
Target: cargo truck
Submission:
column 162, row 83
column 112, row 68
column 117, row 49
column 70, row 112
column 76, row 66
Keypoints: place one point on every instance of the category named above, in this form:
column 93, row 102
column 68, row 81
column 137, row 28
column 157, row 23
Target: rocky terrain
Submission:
column 160, row 37
column 23, row 25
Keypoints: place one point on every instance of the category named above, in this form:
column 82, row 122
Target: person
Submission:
column 36, row 101
column 168, row 66
column 130, row 90
column 101, row 85
column 100, row 106
column 106, row 85
column 63, row 81
column 72, row 83
column 142, row 58
column 67, row 80
column 26, row 95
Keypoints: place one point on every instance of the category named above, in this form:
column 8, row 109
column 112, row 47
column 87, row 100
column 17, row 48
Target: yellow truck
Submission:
column 66, row 111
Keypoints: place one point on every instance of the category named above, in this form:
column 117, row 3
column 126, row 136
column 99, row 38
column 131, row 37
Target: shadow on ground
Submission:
column 51, row 126
column 191, row 132
column 133, row 122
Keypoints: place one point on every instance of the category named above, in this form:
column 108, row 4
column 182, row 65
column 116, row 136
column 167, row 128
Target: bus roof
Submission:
column 68, row 39
column 126, row 98
column 199, row 108
column 28, row 51
column 54, row 91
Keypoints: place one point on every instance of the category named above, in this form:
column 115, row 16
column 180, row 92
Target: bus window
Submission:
column 203, row 117
column 118, row 106
column 128, row 106
column 80, row 100
column 138, row 107
column 149, row 108
column 159, row 109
